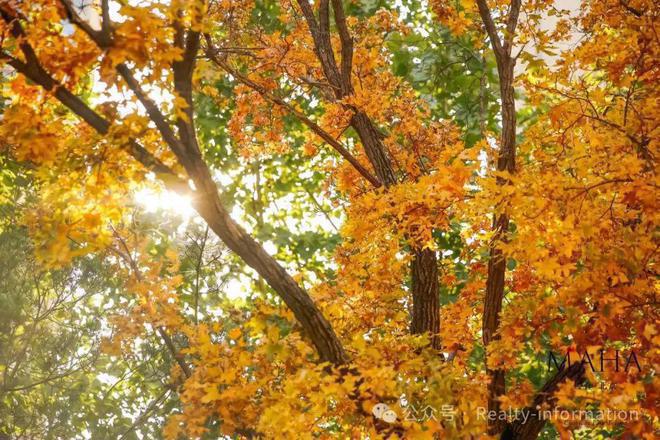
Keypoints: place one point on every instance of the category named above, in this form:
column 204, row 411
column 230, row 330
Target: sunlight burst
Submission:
column 153, row 200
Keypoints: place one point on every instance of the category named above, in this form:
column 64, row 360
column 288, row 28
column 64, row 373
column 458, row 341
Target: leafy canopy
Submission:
column 406, row 203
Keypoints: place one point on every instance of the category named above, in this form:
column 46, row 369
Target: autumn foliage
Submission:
column 459, row 261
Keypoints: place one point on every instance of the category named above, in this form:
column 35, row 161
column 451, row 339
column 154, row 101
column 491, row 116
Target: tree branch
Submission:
column 103, row 37
column 208, row 205
column 156, row 116
column 491, row 30
column 426, row 311
column 176, row 354
column 106, row 24
column 102, row 126
column 346, row 46
column 153, row 406
column 300, row 116
column 322, row 44
column 511, row 23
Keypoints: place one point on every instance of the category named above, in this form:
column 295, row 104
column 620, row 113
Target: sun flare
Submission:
column 152, row 200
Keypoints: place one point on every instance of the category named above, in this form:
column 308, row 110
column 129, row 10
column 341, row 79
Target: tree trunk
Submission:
column 298, row 300
column 497, row 261
column 424, row 266
column 506, row 161
column 426, row 311
column 425, row 294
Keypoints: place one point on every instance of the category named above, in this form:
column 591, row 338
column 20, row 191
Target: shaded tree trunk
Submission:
column 425, row 294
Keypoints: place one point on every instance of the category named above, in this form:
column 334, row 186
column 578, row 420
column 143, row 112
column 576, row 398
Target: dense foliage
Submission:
column 350, row 219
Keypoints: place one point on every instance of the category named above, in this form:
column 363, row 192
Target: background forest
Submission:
column 328, row 219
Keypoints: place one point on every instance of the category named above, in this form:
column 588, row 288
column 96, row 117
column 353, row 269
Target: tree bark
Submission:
column 297, row 299
column 506, row 161
column 425, row 293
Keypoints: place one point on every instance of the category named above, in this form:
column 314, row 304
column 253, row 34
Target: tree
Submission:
column 468, row 246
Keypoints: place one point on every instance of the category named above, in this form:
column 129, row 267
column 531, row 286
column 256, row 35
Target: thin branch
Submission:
column 512, row 22
column 147, row 412
column 300, row 116
column 320, row 208
column 50, row 378
column 152, row 109
column 155, row 115
column 76, row 19
column 162, row 331
column 627, row 7
column 198, row 268
column 103, row 37
column 106, row 24
column 346, row 45
column 176, row 354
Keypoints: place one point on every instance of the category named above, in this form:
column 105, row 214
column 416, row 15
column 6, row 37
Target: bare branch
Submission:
column 106, row 24
column 322, row 44
column 176, row 354
column 156, row 116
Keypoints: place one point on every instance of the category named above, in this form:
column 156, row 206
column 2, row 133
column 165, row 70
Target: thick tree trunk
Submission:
column 425, row 316
column 491, row 319
column 497, row 261
column 425, row 294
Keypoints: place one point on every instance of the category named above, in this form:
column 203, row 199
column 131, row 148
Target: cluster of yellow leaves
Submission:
column 142, row 40
column 584, row 204
column 257, row 125
column 67, row 57
column 254, row 376
column 83, row 180
column 410, row 210
column 31, row 134
column 456, row 20
column 151, row 283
